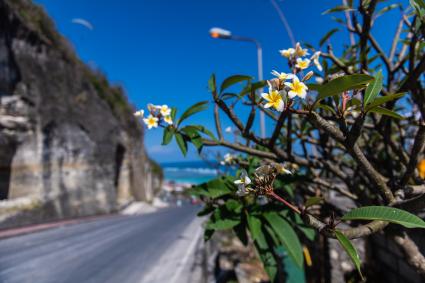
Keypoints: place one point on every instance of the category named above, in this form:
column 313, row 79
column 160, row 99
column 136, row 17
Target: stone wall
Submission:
column 68, row 140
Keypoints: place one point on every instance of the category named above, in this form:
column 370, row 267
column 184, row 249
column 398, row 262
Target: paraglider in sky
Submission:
column 83, row 22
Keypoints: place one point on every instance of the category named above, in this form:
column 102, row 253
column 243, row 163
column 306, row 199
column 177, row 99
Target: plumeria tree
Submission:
column 351, row 124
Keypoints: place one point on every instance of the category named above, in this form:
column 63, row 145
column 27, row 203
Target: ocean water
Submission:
column 193, row 172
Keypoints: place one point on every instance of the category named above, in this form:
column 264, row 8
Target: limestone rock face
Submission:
column 67, row 138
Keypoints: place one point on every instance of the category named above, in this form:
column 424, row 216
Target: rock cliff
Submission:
column 69, row 144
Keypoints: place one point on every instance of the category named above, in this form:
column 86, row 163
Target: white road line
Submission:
column 173, row 264
column 189, row 253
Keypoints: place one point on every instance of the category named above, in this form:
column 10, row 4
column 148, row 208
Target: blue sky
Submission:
column 160, row 50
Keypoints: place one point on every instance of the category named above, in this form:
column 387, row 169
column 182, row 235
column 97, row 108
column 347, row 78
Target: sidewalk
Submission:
column 17, row 231
column 135, row 208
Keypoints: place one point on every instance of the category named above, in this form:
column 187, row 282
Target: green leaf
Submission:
column 314, row 87
column 254, row 225
column 240, row 231
column 167, row 136
column 204, row 130
column 350, row 249
column 212, row 84
column 173, row 113
column 181, row 143
column 233, row 80
column 417, row 4
column 353, row 102
column 387, row 112
column 383, row 99
column 313, row 201
column 228, row 95
column 198, row 107
column 327, row 36
column 338, row 20
column 233, row 205
column 205, row 211
column 287, row 236
column 267, row 257
column 385, row 213
column 193, row 136
column 252, row 88
column 208, row 234
column 386, row 9
column 213, row 189
column 420, row 3
column 339, row 8
column 341, row 84
column 373, row 88
column 308, row 231
column 222, row 224
column 265, row 243
column 223, row 219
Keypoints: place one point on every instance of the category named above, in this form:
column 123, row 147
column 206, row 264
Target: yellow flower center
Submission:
column 275, row 97
column 283, row 76
column 297, row 87
column 151, row 121
column 302, row 64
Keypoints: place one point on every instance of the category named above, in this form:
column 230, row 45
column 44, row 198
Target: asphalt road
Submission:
column 118, row 249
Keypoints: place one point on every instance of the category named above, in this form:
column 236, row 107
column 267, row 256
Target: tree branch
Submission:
column 411, row 252
column 418, row 147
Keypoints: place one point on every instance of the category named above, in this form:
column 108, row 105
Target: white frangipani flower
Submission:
column 302, row 63
column 297, row 88
column 168, row 120
column 243, row 183
column 164, row 110
column 151, row 122
column 282, row 76
column 228, row 159
column 243, row 179
column 274, row 99
column 287, row 52
column 139, row 113
column 299, row 51
column 316, row 61
column 151, row 107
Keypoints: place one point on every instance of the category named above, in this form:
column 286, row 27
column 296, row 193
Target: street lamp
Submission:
column 226, row 34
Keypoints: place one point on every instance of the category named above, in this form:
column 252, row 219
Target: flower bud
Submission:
column 308, row 76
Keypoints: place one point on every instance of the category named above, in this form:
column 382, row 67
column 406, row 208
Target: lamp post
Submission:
column 226, row 34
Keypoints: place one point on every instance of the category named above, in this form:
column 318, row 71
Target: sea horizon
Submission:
column 190, row 172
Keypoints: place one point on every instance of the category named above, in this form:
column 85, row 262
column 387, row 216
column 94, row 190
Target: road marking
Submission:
column 186, row 257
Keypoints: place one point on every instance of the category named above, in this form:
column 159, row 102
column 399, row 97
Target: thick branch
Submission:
column 351, row 233
column 357, row 154
column 411, row 252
